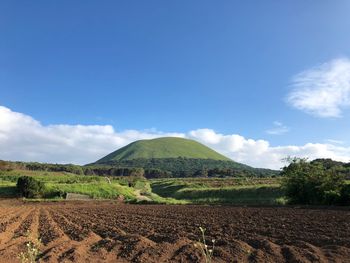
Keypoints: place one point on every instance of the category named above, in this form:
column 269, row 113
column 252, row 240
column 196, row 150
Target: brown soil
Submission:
column 89, row 231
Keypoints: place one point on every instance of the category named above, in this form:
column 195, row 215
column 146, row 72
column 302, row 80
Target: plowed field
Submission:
column 111, row 232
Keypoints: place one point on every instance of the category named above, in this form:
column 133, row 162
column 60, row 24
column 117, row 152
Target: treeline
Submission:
column 106, row 170
column 319, row 182
column 329, row 165
column 189, row 167
column 99, row 170
column 149, row 168
column 35, row 166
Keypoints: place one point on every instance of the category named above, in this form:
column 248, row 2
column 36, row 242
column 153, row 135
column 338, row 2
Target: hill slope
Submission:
column 174, row 157
column 167, row 147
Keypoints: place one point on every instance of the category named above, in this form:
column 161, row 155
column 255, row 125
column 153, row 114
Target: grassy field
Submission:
column 220, row 191
column 95, row 187
column 7, row 189
column 133, row 189
column 168, row 191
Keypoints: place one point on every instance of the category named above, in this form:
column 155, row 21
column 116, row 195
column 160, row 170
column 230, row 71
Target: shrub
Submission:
column 344, row 198
column 54, row 194
column 310, row 183
column 29, row 187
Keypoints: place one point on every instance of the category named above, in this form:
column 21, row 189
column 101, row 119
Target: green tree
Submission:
column 311, row 183
column 29, row 187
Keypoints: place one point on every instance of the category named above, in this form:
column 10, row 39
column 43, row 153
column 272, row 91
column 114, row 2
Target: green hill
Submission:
column 167, row 147
column 174, row 157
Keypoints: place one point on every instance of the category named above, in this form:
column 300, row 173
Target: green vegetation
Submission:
column 175, row 157
column 30, row 187
column 183, row 167
column 319, row 182
column 136, row 189
column 7, row 189
column 35, row 166
column 32, row 252
column 220, row 191
column 157, row 158
column 57, row 184
column 149, row 168
column 207, row 251
column 169, row 147
column 96, row 190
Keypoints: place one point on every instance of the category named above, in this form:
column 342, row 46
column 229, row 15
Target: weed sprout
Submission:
column 207, row 251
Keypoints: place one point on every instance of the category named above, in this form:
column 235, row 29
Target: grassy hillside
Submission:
column 253, row 191
column 178, row 157
column 168, row 147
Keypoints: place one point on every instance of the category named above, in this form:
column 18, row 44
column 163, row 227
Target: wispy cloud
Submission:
column 335, row 141
column 26, row 139
column 278, row 128
column 324, row 90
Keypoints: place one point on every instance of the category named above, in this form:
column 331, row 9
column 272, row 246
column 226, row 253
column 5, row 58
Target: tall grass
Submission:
column 55, row 182
column 97, row 187
column 101, row 190
column 7, row 189
column 195, row 191
column 167, row 191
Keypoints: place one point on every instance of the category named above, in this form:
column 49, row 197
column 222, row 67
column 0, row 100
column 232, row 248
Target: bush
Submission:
column 29, row 187
column 344, row 198
column 55, row 194
column 313, row 184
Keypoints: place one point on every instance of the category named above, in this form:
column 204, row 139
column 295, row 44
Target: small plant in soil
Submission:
column 207, row 251
column 32, row 252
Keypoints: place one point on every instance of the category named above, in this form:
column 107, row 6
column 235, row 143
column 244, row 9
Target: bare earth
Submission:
column 89, row 231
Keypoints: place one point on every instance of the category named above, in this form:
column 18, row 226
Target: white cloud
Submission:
column 24, row 138
column 259, row 153
column 323, row 91
column 278, row 129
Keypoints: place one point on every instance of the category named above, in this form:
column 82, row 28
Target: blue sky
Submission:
column 179, row 66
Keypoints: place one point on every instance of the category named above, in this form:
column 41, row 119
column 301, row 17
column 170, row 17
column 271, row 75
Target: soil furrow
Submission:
column 94, row 231
column 74, row 232
column 47, row 232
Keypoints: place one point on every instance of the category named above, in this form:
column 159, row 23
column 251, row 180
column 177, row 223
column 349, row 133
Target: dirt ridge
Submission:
column 112, row 232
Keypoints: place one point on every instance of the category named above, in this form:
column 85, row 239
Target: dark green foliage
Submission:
column 329, row 164
column 29, row 187
column 344, row 198
column 189, row 167
column 157, row 173
column 150, row 168
column 313, row 183
column 55, row 194
column 35, row 166
column 114, row 171
column 69, row 168
column 8, row 191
